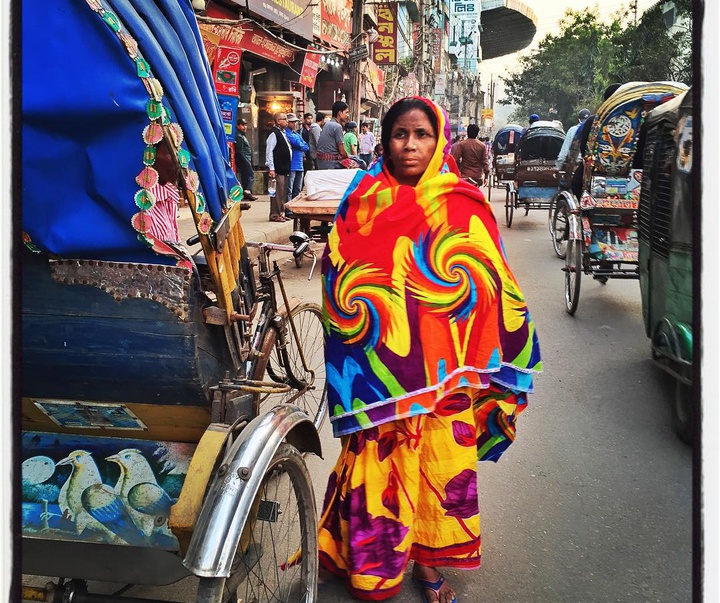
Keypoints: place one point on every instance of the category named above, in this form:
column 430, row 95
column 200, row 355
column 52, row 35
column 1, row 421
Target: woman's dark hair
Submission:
column 400, row 108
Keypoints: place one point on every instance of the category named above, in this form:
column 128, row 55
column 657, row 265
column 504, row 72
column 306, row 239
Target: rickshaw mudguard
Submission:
column 237, row 481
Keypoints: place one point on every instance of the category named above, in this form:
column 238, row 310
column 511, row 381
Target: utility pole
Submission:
column 355, row 66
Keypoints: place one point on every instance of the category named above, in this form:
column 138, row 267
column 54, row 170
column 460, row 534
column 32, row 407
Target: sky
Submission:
column 549, row 13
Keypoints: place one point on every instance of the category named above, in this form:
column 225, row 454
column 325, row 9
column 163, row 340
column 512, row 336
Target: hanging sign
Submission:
column 336, row 23
column 311, row 65
column 226, row 70
column 385, row 47
column 358, row 52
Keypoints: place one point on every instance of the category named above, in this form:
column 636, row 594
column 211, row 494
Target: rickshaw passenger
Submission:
column 583, row 114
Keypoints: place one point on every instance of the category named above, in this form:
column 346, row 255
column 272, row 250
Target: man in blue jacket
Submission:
column 299, row 147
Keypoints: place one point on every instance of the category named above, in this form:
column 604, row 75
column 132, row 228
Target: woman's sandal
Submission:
column 433, row 586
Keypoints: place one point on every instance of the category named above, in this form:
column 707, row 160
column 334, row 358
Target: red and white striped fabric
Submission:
column 164, row 213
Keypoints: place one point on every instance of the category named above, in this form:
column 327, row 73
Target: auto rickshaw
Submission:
column 536, row 175
column 601, row 226
column 146, row 456
column 667, row 211
column 503, row 156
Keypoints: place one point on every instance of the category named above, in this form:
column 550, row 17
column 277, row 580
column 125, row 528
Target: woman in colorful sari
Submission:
column 430, row 352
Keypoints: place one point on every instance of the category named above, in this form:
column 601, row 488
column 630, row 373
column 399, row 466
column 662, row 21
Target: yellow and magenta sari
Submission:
column 430, row 352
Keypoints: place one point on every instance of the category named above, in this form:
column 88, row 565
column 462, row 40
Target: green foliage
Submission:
column 571, row 69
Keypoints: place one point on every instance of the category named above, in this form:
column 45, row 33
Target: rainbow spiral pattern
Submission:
column 418, row 298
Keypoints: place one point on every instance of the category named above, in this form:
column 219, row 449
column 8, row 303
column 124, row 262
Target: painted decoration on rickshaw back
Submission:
column 613, row 140
column 103, row 490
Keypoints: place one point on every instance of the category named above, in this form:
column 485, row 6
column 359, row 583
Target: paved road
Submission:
column 593, row 501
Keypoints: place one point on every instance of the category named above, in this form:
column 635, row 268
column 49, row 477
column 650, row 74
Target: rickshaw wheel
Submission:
column 268, row 565
column 683, row 412
column 307, row 318
column 509, row 207
column 573, row 270
column 560, row 229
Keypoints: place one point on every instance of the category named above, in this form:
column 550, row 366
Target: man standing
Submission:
column 471, row 156
column 243, row 160
column 330, row 147
column 310, row 133
column 367, row 143
column 350, row 140
column 277, row 158
column 298, row 146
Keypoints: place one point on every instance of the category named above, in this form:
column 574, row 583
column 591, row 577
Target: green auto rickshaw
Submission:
column 667, row 209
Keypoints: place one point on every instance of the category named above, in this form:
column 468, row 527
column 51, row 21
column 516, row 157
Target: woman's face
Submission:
column 412, row 145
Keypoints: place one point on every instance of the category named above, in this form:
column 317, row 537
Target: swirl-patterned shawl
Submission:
column 418, row 298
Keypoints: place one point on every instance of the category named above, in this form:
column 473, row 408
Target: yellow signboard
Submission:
column 486, row 114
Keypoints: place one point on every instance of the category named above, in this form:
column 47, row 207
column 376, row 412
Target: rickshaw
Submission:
column 601, row 227
column 536, row 175
column 168, row 398
column 503, row 156
column 667, row 211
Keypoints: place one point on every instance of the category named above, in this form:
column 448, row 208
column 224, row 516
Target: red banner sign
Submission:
column 251, row 38
column 226, row 70
column 336, row 22
column 310, row 67
column 385, row 47
column 436, row 44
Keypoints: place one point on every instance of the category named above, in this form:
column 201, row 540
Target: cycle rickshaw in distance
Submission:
column 536, row 175
column 167, row 398
column 668, row 208
column 503, row 156
column 601, row 226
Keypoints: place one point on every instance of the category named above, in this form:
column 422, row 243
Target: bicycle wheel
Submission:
column 509, row 207
column 560, row 229
column 573, row 271
column 277, row 559
column 307, row 318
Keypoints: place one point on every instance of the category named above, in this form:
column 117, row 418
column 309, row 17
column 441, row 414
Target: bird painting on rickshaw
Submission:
column 111, row 495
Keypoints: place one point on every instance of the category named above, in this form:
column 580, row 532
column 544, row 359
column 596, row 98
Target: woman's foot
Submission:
column 433, row 584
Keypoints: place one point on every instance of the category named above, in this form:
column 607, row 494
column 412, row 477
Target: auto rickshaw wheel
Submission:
column 509, row 207
column 573, row 272
column 683, row 412
column 277, row 556
column 560, row 229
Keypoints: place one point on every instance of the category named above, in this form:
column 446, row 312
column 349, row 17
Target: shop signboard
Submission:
column 359, row 52
column 336, row 23
column 210, row 41
column 376, row 79
column 226, row 70
column 311, row 65
column 385, row 47
column 436, row 46
column 464, row 32
column 228, row 112
column 440, row 84
column 486, row 114
column 296, row 15
column 252, row 38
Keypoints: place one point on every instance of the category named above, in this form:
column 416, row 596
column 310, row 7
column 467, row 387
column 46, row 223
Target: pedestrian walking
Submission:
column 330, row 147
column 350, row 139
column 299, row 147
column 244, row 160
column 277, row 158
column 427, row 373
column 471, row 156
column 367, row 143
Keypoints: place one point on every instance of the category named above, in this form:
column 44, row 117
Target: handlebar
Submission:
column 297, row 251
